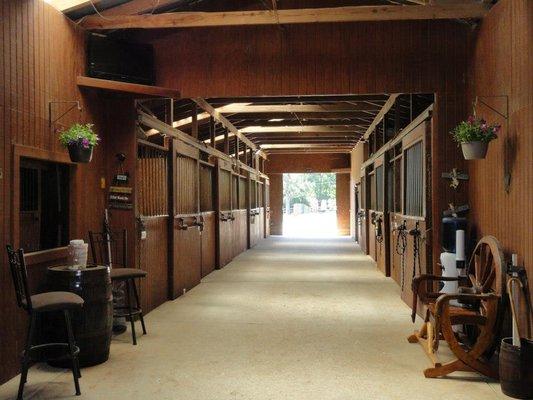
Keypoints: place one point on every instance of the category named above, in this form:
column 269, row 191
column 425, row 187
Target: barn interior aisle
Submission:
column 289, row 319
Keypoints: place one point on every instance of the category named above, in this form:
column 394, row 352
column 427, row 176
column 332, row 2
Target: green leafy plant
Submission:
column 80, row 135
column 475, row 130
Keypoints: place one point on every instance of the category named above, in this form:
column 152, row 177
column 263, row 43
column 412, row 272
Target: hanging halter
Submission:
column 401, row 247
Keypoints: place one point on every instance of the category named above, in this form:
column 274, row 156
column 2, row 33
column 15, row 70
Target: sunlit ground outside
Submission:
column 310, row 224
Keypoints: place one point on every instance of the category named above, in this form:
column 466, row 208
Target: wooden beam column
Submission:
column 212, row 131
column 194, row 124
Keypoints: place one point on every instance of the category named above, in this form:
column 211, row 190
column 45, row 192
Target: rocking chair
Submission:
column 477, row 304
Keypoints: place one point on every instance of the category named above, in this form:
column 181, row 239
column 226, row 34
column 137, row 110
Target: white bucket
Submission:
column 77, row 253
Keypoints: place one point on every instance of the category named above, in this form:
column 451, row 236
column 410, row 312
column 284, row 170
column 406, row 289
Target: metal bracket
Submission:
column 507, row 150
column 75, row 104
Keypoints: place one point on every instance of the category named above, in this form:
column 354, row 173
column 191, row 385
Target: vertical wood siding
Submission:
column 41, row 53
column 500, row 71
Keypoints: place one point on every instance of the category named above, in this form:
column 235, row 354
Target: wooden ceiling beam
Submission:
column 220, row 118
column 242, row 108
column 388, row 105
column 136, row 7
column 288, row 16
column 300, row 128
column 305, row 146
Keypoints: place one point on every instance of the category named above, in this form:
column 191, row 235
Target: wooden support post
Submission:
column 226, row 141
column 194, row 123
column 236, row 148
column 212, row 131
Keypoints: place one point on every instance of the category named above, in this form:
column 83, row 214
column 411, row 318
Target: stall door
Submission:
column 254, row 213
column 415, row 198
column 397, row 224
column 187, row 266
column 267, row 207
column 362, row 217
column 240, row 231
column 208, row 218
column 378, row 235
column 152, row 173
column 225, row 249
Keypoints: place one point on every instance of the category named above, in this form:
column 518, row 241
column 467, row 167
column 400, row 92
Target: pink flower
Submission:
column 85, row 143
column 471, row 120
column 483, row 126
column 497, row 128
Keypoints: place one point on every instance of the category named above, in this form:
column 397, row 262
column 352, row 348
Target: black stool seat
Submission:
column 55, row 301
column 126, row 273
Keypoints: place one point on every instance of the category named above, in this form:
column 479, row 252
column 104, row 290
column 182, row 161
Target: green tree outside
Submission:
column 308, row 189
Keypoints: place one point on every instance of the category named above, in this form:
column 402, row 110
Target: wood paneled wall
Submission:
column 500, row 73
column 41, row 53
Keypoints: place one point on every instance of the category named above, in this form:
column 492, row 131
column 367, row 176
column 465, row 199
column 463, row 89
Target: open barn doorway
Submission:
column 310, row 204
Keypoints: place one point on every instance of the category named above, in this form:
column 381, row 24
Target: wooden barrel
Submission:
column 516, row 369
column 93, row 323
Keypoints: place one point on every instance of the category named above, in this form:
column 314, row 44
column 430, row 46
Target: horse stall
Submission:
column 256, row 214
column 187, row 255
column 240, row 229
column 396, row 177
column 412, row 223
column 362, row 217
column 378, row 238
column 152, row 177
column 208, row 218
column 266, row 196
column 223, row 207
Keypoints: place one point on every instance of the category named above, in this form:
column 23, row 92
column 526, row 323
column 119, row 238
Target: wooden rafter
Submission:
column 136, row 7
column 299, row 128
column 243, row 108
column 220, row 118
column 390, row 102
column 290, row 16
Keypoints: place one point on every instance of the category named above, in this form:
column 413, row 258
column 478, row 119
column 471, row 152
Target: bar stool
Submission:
column 111, row 248
column 35, row 306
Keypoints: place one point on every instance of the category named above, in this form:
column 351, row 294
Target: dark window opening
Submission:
column 44, row 211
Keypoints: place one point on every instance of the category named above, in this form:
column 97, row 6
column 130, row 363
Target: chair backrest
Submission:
column 20, row 277
column 109, row 248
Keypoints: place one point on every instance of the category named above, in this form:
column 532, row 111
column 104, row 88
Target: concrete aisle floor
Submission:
column 291, row 319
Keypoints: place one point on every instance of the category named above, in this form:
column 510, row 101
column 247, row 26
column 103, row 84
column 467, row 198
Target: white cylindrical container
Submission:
column 449, row 269
column 460, row 245
column 77, row 253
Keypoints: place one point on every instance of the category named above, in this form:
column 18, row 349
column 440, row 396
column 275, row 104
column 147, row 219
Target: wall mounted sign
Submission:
column 120, row 197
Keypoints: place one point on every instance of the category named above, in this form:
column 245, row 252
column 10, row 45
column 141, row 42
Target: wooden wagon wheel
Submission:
column 486, row 267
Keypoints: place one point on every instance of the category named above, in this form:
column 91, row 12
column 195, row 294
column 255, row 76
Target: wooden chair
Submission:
column 479, row 300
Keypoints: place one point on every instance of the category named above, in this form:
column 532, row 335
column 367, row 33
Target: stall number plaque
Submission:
column 120, row 197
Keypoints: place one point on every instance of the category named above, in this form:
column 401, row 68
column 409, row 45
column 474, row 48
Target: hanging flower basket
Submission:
column 474, row 136
column 80, row 154
column 475, row 150
column 80, row 140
